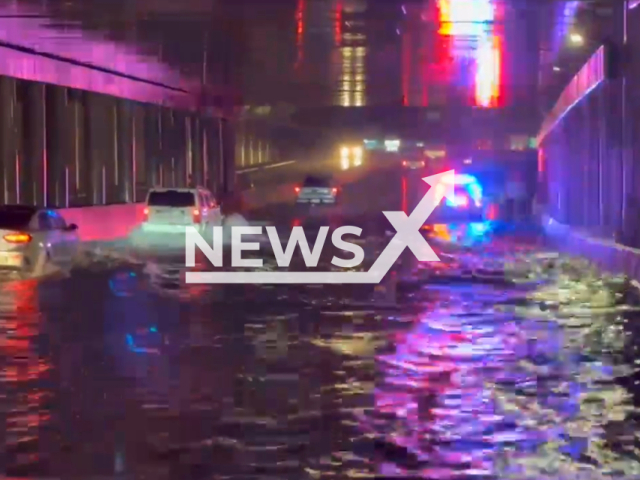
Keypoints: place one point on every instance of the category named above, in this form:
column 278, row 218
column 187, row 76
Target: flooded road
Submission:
column 501, row 361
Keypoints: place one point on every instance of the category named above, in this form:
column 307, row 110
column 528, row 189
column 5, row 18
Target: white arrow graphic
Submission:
column 407, row 235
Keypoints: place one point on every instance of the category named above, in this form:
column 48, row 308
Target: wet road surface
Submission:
column 498, row 362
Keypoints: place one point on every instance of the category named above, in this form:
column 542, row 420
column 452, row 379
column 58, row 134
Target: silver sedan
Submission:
column 32, row 238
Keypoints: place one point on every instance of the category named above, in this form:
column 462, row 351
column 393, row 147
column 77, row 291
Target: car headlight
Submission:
column 344, row 151
column 357, row 151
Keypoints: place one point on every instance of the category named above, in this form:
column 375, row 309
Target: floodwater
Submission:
column 498, row 362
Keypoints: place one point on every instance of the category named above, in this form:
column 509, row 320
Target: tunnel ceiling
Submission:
column 171, row 32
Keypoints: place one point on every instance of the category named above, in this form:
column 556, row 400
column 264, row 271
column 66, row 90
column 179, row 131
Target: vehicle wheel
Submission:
column 27, row 268
column 30, row 268
column 44, row 258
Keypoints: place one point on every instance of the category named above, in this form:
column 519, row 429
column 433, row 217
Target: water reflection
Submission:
column 487, row 376
column 26, row 369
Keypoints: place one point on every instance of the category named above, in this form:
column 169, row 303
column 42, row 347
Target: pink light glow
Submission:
column 37, row 34
column 488, row 73
column 464, row 17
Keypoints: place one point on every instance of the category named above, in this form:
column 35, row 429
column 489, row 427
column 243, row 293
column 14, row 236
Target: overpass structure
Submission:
column 88, row 122
column 588, row 150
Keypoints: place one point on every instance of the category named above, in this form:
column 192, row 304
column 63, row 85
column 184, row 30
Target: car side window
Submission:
column 45, row 221
column 203, row 200
column 58, row 221
column 212, row 200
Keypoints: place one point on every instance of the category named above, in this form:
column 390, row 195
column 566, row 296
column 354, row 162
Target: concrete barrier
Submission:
column 115, row 222
column 603, row 252
column 105, row 222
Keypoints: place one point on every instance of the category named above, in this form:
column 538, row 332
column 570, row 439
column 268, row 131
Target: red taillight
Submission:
column 145, row 214
column 17, row 238
column 404, row 163
column 334, row 191
column 297, row 189
column 196, row 216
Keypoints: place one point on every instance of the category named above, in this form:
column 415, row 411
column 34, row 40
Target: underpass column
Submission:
column 34, row 168
column 152, row 143
column 188, row 151
column 228, row 151
column 59, row 129
column 8, row 152
column 196, row 152
column 212, row 155
column 140, row 162
column 78, row 189
column 111, row 138
column 96, row 116
column 123, row 161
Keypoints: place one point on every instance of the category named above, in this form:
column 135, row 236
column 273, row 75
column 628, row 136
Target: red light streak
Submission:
column 489, row 68
column 300, row 31
column 406, row 67
column 338, row 26
column 405, row 200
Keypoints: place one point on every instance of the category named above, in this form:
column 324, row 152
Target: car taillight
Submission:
column 196, row 216
column 297, row 189
column 334, row 191
column 17, row 238
column 145, row 215
column 404, row 163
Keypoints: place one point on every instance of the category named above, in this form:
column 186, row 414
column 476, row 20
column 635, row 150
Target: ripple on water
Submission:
column 128, row 370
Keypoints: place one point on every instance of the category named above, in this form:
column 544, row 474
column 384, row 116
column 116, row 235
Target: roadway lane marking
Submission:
column 274, row 165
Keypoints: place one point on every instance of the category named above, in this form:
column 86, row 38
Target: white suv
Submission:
column 171, row 209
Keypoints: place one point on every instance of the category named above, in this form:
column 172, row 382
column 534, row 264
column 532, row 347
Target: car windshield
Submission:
column 15, row 219
column 319, row 182
column 171, row 198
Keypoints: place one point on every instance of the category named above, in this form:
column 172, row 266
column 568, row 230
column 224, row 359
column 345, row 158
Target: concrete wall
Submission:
column 588, row 147
column 63, row 148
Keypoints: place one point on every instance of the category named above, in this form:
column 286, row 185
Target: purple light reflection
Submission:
column 78, row 45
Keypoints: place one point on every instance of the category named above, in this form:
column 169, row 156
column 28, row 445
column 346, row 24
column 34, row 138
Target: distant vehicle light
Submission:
column 392, row 145
column 357, row 151
column 471, row 186
column 460, row 201
column 344, row 151
column 462, row 179
column 404, row 163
